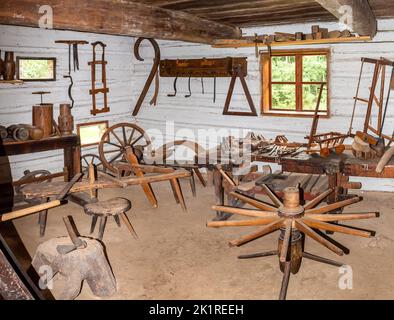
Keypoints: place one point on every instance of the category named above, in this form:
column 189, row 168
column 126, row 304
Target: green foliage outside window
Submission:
column 36, row 69
column 283, row 69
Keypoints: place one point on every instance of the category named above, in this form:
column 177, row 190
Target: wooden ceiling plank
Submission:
column 296, row 10
column 116, row 17
column 364, row 20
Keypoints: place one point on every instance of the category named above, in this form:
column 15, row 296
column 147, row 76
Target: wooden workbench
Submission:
column 70, row 144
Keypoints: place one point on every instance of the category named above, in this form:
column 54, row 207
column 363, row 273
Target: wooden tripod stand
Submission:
column 295, row 223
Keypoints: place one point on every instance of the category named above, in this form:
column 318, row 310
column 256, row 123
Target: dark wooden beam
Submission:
column 116, row 17
column 364, row 21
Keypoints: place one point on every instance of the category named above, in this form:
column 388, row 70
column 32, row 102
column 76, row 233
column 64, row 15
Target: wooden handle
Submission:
column 34, row 209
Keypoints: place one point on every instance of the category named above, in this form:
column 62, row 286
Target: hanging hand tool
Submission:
column 190, row 90
column 74, row 44
column 173, row 94
column 202, row 86
column 70, row 89
column 152, row 74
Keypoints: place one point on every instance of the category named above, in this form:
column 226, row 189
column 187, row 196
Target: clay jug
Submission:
column 9, row 66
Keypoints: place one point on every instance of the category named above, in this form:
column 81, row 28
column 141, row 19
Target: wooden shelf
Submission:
column 11, row 81
column 231, row 43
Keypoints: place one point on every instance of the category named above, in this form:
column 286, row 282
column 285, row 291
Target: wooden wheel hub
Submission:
column 291, row 207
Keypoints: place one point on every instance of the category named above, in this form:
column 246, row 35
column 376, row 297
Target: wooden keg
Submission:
column 43, row 118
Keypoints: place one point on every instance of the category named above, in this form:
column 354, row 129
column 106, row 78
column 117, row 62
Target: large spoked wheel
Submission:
column 89, row 159
column 114, row 141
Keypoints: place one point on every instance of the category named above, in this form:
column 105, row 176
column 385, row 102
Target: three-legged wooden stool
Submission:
column 111, row 208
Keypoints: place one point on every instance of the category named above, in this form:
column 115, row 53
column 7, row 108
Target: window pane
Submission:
column 310, row 93
column 284, row 96
column 314, row 68
column 283, row 69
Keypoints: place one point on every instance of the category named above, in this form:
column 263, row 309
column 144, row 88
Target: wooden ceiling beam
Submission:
column 364, row 20
column 118, row 17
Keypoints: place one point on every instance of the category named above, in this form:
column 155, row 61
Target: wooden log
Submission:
column 364, row 21
column 88, row 264
column 128, row 18
column 385, row 160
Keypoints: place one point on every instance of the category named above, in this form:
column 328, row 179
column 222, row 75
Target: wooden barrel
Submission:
column 43, row 118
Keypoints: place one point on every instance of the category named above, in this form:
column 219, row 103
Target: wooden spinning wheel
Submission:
column 167, row 155
column 88, row 159
column 295, row 223
column 112, row 147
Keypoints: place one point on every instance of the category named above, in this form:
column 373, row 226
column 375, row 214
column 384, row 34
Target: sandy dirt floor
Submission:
column 178, row 257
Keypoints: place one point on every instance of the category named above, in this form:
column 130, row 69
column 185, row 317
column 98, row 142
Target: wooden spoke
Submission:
column 114, row 145
column 286, row 241
column 343, row 217
column 253, row 202
column 116, row 157
column 136, row 140
column 272, row 196
column 258, row 234
column 318, row 199
column 118, row 131
column 131, row 137
column 244, row 212
column 117, row 138
column 336, row 228
column 309, row 232
column 124, row 136
column 333, row 206
column 242, row 223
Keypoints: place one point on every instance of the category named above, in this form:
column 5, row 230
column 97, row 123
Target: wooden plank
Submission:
column 242, row 43
column 364, row 21
column 126, row 18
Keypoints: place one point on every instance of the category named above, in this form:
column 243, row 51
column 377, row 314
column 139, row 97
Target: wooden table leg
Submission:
column 219, row 195
column 72, row 160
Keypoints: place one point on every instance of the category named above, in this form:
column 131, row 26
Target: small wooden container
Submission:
column 65, row 120
column 43, row 118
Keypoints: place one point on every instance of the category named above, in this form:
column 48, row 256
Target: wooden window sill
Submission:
column 294, row 114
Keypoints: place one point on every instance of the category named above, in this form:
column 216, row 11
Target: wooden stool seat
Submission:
column 112, row 207
column 115, row 208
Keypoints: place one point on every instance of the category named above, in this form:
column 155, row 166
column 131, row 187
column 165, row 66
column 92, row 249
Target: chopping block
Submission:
column 89, row 263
